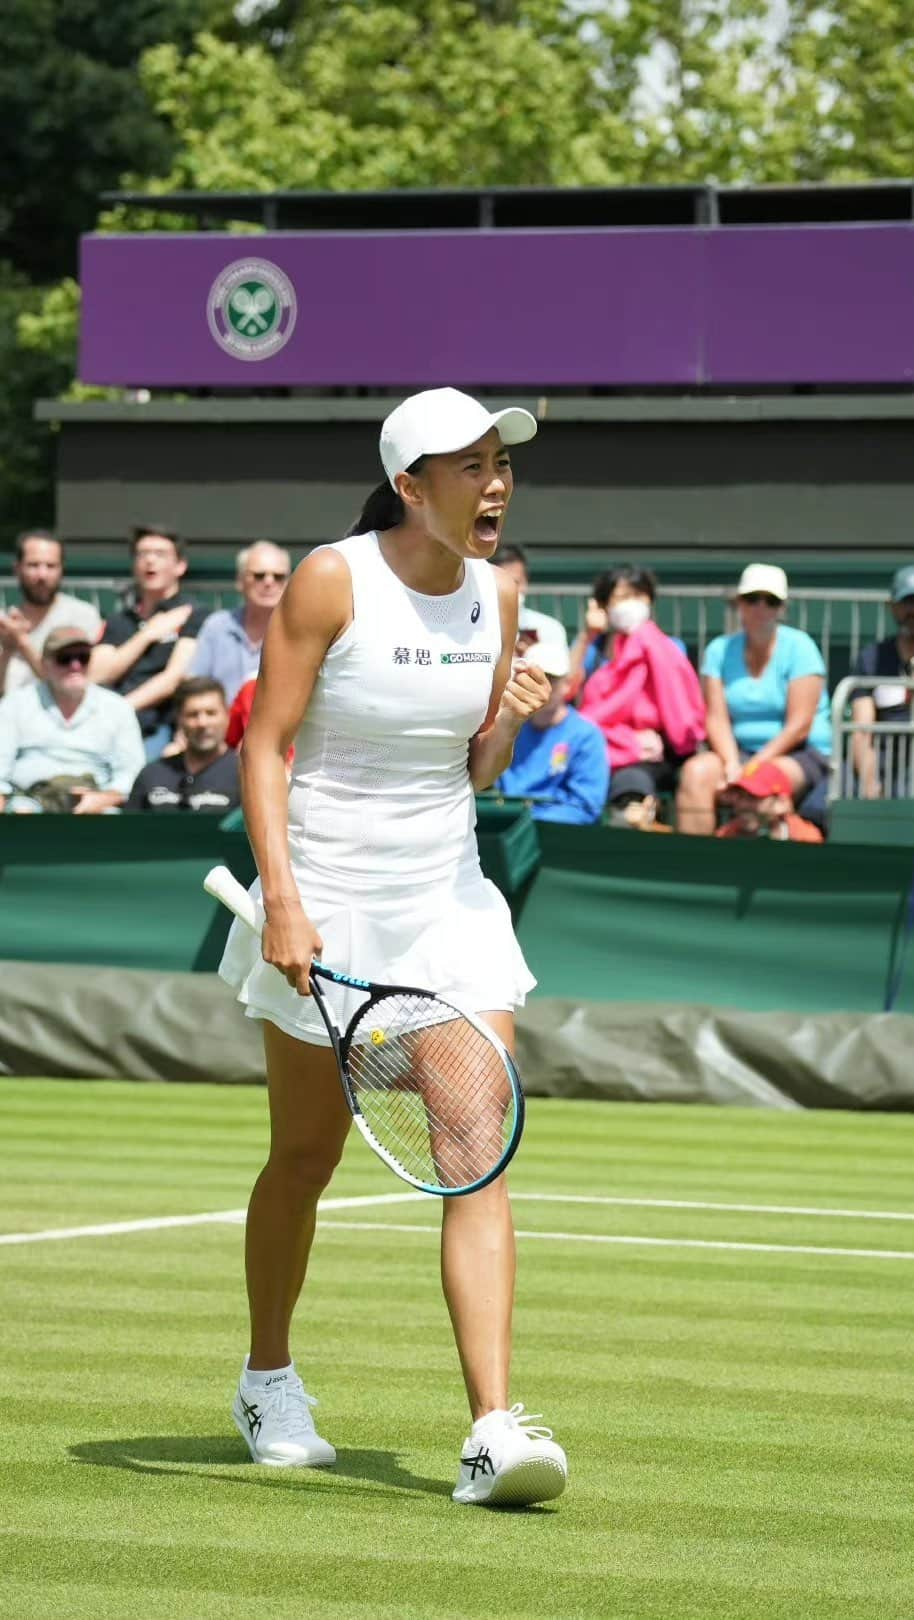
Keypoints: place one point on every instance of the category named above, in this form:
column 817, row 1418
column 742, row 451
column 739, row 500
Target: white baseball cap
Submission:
column 763, row 577
column 442, row 420
column 549, row 656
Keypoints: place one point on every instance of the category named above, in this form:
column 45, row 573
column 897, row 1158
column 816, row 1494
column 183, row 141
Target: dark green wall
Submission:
column 695, row 486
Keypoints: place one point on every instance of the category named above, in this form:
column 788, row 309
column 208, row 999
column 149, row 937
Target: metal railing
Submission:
column 837, row 618
column 106, row 592
column 892, row 761
column 841, row 621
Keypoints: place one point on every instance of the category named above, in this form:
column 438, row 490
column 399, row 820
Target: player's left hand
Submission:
column 527, row 691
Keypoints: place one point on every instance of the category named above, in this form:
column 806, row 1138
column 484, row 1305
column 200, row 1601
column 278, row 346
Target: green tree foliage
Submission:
column 72, row 116
column 848, row 89
column 369, row 94
column 384, row 97
column 354, row 94
column 28, row 374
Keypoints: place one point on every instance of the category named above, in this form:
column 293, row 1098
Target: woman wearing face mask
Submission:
column 641, row 691
column 767, row 703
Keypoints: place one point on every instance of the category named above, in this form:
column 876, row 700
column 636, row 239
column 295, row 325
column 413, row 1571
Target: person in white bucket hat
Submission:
column 765, row 693
column 389, row 663
column 560, row 764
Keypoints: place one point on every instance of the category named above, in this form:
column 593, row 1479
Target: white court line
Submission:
column 739, row 1209
column 158, row 1223
column 236, row 1217
column 648, row 1242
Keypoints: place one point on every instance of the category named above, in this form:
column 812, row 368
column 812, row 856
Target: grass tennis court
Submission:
column 739, row 1417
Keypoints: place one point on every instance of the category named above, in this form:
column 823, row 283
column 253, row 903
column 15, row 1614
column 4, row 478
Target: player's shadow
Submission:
column 204, row 1454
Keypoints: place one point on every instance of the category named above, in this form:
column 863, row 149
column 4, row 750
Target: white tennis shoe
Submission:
column 275, row 1420
column 507, row 1461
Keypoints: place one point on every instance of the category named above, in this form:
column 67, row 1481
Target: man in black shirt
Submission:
column 889, row 702
column 205, row 776
column 145, row 650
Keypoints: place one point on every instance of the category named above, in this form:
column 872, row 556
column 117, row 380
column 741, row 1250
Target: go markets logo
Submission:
column 251, row 309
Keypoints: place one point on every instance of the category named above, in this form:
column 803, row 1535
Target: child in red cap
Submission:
column 761, row 803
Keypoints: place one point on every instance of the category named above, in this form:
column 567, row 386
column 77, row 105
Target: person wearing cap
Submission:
column 765, row 692
column 533, row 627
column 560, row 761
column 64, row 743
column 889, row 703
column 390, row 662
column 761, row 806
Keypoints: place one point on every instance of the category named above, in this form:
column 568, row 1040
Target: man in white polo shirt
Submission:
column 65, row 744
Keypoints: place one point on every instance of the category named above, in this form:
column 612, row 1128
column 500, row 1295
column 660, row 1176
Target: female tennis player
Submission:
column 390, row 664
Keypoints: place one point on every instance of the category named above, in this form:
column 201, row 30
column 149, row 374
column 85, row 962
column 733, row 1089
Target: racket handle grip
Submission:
column 224, row 887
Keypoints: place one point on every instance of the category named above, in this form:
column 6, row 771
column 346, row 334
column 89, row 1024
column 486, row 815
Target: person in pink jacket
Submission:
column 646, row 699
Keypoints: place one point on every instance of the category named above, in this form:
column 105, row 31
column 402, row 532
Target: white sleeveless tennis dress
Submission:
column 382, row 815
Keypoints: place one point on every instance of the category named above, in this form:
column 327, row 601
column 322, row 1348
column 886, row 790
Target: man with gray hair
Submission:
column 229, row 644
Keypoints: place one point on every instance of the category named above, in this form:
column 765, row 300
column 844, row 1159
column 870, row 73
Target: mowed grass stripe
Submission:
column 739, row 1425
column 117, row 1151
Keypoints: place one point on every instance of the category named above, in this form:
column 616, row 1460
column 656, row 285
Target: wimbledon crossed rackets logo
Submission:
column 251, row 309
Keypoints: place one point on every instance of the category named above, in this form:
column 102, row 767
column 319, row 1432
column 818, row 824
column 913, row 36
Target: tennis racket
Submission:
column 433, row 1091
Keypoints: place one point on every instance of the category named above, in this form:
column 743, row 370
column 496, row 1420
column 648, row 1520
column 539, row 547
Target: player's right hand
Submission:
column 290, row 943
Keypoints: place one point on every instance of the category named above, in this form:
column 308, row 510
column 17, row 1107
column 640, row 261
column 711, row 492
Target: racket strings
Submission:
column 433, row 1089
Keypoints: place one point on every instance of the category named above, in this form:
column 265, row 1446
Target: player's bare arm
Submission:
column 314, row 611
column 518, row 690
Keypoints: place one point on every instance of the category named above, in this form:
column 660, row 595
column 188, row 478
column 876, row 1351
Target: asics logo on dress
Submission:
column 480, row 1464
column 253, row 1417
column 474, row 616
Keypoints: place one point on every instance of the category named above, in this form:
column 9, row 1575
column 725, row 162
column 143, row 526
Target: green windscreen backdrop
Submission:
column 624, row 916
column 607, row 915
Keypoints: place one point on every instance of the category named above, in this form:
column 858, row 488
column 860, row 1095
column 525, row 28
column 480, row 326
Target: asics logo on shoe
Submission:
column 480, row 1464
column 279, row 1379
column 252, row 1415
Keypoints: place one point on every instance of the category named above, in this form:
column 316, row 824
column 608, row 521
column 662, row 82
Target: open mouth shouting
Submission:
column 487, row 524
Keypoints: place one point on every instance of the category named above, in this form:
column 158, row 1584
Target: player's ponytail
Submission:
column 383, row 509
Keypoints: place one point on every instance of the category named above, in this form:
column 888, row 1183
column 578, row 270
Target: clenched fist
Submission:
column 527, row 691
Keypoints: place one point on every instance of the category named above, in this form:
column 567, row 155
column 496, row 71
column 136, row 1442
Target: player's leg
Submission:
column 308, row 1125
column 502, row 1460
column 309, row 1121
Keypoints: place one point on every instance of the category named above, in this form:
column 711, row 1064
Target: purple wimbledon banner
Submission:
column 534, row 309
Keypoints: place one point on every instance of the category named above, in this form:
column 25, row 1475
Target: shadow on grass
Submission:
column 191, row 1454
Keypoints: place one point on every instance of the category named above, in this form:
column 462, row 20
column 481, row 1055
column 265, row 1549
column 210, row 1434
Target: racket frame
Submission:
column 224, row 886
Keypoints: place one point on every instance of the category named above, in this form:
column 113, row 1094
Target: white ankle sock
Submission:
column 260, row 1377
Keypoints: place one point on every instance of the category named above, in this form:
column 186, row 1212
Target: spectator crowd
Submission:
column 134, row 713
column 145, row 711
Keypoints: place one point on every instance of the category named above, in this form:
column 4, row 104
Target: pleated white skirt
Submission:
column 457, row 940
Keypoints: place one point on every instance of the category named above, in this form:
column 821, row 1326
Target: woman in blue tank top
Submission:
column 422, row 537
column 766, row 700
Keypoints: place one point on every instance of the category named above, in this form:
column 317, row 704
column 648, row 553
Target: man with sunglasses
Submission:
column 228, row 647
column 66, row 744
